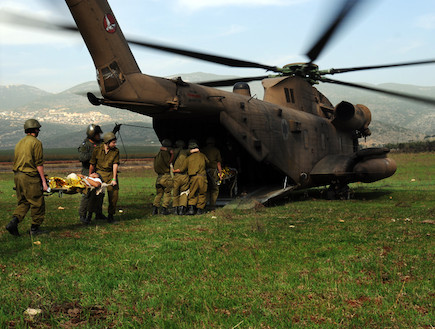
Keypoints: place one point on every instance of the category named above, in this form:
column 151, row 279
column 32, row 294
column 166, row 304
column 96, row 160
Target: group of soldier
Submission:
column 100, row 158
column 182, row 177
column 189, row 177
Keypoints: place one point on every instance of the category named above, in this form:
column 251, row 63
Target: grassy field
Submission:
column 310, row 263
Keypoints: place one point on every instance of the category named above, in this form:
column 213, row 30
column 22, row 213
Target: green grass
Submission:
column 363, row 263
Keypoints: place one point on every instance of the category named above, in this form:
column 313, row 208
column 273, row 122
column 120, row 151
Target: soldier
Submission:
column 30, row 182
column 180, row 190
column 92, row 140
column 164, row 182
column 214, row 170
column 105, row 162
column 195, row 165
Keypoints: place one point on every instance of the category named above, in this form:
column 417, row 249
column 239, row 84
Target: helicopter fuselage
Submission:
column 295, row 134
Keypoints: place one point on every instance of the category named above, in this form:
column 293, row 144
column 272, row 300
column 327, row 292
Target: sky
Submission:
column 272, row 32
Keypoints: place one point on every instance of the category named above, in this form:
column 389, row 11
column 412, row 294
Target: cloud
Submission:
column 426, row 22
column 199, row 5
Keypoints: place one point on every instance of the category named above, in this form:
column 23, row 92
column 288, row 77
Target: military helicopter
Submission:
column 294, row 138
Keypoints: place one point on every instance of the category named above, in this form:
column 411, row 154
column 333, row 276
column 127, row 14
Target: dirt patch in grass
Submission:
column 68, row 315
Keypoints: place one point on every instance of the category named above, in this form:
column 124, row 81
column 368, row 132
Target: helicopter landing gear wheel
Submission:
column 337, row 191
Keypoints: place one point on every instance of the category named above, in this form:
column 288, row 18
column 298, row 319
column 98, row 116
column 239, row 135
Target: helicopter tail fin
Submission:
column 106, row 43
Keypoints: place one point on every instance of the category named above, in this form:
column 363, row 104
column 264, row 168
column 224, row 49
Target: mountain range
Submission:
column 64, row 116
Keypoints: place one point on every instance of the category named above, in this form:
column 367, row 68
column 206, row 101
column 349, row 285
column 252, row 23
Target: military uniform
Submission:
column 85, row 154
column 214, row 156
column 90, row 202
column 164, row 182
column 28, row 156
column 195, row 165
column 180, row 190
column 104, row 167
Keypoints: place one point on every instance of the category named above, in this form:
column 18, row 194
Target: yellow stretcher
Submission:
column 65, row 186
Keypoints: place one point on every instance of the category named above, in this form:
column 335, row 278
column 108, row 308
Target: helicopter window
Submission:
column 112, row 77
column 289, row 95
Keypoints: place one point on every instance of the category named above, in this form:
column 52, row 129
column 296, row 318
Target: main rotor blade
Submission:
column 318, row 46
column 362, row 68
column 34, row 22
column 230, row 82
column 205, row 57
column 23, row 20
column 421, row 99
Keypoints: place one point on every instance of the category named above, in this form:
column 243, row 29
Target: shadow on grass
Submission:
column 130, row 212
column 320, row 194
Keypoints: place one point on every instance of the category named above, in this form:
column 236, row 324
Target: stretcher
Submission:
column 65, row 186
column 229, row 177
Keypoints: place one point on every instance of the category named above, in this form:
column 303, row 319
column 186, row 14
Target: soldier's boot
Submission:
column 200, row 211
column 89, row 218
column 183, row 210
column 100, row 216
column 35, row 230
column 165, row 211
column 155, row 211
column 12, row 226
column 110, row 218
column 191, row 211
column 84, row 219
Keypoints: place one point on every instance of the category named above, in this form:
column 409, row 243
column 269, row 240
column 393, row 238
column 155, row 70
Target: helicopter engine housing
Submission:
column 349, row 117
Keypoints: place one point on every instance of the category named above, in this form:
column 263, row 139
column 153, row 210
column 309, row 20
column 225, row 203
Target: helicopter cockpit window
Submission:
column 112, row 77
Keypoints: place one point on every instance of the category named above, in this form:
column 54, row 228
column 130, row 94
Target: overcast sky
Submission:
column 273, row 32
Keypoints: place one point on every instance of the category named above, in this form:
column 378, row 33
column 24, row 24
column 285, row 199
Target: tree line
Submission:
column 413, row 147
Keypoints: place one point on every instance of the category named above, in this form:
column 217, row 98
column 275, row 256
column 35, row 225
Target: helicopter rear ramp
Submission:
column 260, row 196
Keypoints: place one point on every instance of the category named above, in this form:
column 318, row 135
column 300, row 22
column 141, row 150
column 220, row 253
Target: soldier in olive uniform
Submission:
column 164, row 182
column 195, row 165
column 105, row 162
column 29, row 179
column 92, row 140
column 214, row 170
column 180, row 190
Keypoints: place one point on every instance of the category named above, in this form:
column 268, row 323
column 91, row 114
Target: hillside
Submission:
column 14, row 96
column 64, row 116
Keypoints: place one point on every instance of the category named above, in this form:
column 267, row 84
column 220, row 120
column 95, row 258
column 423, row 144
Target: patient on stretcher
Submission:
column 93, row 180
column 74, row 183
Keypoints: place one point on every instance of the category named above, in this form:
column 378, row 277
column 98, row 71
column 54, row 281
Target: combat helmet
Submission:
column 31, row 124
column 180, row 144
column 108, row 137
column 92, row 130
column 166, row 142
column 193, row 145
